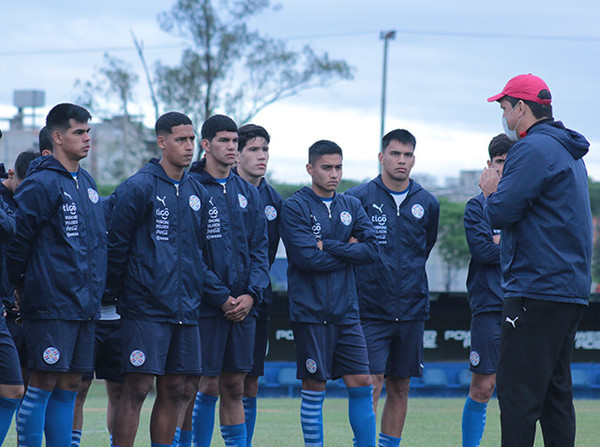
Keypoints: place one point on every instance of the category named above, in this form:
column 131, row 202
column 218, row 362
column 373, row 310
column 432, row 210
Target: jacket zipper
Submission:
column 330, row 228
column 88, row 248
column 178, row 253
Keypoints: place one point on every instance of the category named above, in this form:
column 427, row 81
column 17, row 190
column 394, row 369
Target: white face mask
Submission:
column 510, row 133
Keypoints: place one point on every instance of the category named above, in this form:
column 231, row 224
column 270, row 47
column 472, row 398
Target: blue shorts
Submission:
column 261, row 341
column 59, row 345
column 160, row 348
column 226, row 346
column 395, row 347
column 18, row 334
column 10, row 367
column 485, row 342
column 329, row 351
column 108, row 351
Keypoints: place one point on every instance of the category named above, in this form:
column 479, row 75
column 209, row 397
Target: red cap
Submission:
column 526, row 87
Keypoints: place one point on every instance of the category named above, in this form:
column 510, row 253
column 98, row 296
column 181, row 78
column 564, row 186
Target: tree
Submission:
column 121, row 81
column 451, row 243
column 229, row 67
column 115, row 79
column 124, row 147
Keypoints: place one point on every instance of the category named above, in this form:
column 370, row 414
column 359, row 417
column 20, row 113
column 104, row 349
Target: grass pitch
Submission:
column 430, row 422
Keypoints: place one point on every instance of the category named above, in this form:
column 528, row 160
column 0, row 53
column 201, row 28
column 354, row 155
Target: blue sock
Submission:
column 59, row 417
column 7, row 409
column 203, row 419
column 185, row 440
column 311, row 417
column 31, row 417
column 75, row 438
column 388, row 441
column 250, row 415
column 473, row 422
column 176, row 437
column 234, row 435
column 155, row 444
column 362, row 418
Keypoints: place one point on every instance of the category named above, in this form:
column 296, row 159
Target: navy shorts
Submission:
column 160, row 348
column 226, row 346
column 18, row 334
column 395, row 347
column 108, row 351
column 261, row 341
column 10, row 367
column 59, row 345
column 329, row 351
column 485, row 342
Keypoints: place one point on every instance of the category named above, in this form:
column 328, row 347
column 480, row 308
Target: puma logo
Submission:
column 68, row 195
column 512, row 321
column 162, row 200
column 380, row 208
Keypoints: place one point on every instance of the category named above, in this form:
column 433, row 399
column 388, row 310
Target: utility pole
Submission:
column 385, row 36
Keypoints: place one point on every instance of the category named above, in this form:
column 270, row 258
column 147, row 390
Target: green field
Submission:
column 430, row 423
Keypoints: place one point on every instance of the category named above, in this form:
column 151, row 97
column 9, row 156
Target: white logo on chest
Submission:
column 162, row 200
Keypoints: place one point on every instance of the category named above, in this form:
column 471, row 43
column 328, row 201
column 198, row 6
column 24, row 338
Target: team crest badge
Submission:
column 51, row 355
column 346, row 218
column 137, row 358
column 417, row 210
column 195, row 202
column 93, row 195
column 243, row 201
column 270, row 212
column 311, row 366
column 474, row 358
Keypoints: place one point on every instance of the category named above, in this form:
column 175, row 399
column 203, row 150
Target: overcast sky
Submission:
column 447, row 58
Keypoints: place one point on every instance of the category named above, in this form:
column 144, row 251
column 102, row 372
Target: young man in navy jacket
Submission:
column 237, row 252
column 155, row 268
column 253, row 152
column 485, row 299
column 326, row 235
column 542, row 206
column 57, row 262
column 8, row 188
column 11, row 384
column 393, row 293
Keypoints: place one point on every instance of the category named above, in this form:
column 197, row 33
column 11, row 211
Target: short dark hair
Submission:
column 499, row 145
column 322, row 147
column 22, row 163
column 165, row 123
column 401, row 136
column 59, row 117
column 44, row 141
column 250, row 131
column 215, row 124
column 538, row 110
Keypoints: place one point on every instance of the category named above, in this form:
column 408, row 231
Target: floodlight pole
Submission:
column 385, row 36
